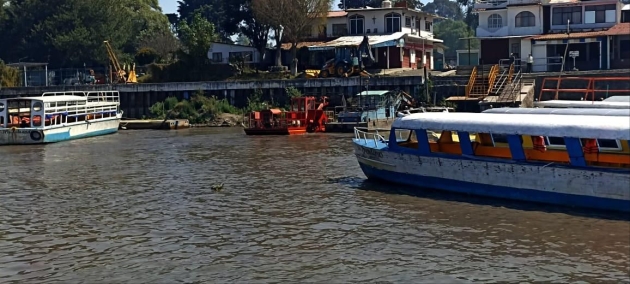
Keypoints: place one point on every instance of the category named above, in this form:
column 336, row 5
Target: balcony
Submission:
column 491, row 32
column 483, row 5
column 524, row 2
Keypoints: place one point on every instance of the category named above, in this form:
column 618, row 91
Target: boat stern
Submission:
column 21, row 136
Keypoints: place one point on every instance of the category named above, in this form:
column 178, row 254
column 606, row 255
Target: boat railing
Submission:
column 68, row 93
column 379, row 134
column 368, row 136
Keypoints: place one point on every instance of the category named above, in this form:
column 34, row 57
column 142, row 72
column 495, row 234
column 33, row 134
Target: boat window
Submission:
column 608, row 144
column 555, row 141
column 406, row 138
column 499, row 138
column 37, row 106
column 1, row 120
column 37, row 120
column 1, row 107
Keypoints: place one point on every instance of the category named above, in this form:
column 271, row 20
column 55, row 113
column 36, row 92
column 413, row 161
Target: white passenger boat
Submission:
column 574, row 160
column 58, row 116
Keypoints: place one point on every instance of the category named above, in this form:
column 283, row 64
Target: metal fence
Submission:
column 63, row 77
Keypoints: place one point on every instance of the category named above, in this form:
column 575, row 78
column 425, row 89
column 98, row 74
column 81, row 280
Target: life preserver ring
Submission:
column 36, row 136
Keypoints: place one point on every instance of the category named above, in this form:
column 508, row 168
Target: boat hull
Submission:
column 605, row 190
column 25, row 136
column 275, row 131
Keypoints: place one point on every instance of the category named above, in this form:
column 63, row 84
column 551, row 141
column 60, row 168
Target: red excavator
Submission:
column 306, row 115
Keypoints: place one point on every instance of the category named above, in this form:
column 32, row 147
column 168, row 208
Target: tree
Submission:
column 197, row 37
column 243, row 40
column 255, row 30
column 451, row 32
column 445, row 8
column 266, row 12
column 71, row 32
column 225, row 15
column 296, row 21
column 163, row 42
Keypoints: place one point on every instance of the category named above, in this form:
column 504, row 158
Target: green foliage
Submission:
column 451, row 32
column 255, row 102
column 225, row 15
column 67, row 33
column 445, row 8
column 199, row 109
column 197, row 36
column 9, row 77
column 146, row 55
column 293, row 92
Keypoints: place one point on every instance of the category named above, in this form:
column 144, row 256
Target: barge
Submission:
column 306, row 115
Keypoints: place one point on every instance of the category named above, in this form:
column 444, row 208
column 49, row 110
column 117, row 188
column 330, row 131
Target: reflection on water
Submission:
column 137, row 207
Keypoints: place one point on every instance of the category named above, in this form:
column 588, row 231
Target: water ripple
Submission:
column 138, row 207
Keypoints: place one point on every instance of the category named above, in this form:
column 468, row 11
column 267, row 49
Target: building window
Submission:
column 525, row 19
column 356, row 25
column 495, row 22
column 217, row 57
column 408, row 22
column 392, row 22
column 562, row 14
column 427, row 26
column 600, row 14
column 339, row 29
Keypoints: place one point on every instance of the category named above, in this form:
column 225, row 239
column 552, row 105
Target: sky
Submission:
column 170, row 6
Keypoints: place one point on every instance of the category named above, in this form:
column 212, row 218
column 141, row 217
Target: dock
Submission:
column 141, row 124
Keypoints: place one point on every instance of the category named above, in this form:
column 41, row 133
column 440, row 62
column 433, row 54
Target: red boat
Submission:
column 305, row 116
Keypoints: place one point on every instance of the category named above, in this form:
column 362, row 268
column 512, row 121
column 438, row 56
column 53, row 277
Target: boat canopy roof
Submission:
column 578, row 126
column 623, row 99
column 582, row 104
column 45, row 99
column 563, row 111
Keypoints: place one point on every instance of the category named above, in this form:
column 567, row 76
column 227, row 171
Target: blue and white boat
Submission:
column 367, row 109
column 58, row 116
column 573, row 160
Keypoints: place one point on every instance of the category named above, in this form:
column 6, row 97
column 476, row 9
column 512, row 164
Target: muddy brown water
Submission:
column 137, row 207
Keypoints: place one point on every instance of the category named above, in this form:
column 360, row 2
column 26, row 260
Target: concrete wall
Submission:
column 136, row 99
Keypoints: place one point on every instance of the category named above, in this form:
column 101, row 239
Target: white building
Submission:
column 539, row 27
column 220, row 53
column 385, row 27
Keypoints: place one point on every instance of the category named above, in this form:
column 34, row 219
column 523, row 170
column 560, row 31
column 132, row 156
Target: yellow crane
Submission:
column 119, row 74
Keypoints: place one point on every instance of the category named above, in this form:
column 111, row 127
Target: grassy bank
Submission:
column 201, row 109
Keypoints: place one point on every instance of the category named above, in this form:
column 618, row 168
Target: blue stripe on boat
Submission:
column 497, row 191
column 64, row 136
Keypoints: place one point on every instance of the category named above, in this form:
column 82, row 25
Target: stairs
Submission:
column 482, row 81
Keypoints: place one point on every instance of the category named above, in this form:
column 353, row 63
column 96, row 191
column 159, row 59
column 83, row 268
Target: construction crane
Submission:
column 119, row 75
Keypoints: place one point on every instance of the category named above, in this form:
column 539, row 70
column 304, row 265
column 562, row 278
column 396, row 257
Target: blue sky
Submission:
column 170, row 6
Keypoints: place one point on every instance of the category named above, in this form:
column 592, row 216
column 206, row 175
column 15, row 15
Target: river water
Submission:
column 137, row 207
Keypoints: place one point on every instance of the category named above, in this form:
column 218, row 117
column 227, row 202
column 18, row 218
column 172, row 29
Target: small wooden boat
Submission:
column 574, row 160
column 306, row 115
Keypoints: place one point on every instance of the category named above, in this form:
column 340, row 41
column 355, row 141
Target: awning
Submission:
column 572, row 35
column 619, row 29
column 352, row 41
